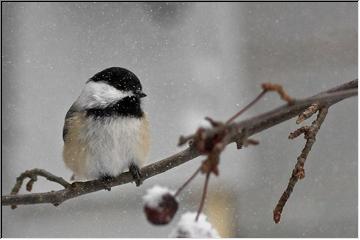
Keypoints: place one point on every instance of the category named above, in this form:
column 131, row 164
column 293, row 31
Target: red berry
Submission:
column 160, row 206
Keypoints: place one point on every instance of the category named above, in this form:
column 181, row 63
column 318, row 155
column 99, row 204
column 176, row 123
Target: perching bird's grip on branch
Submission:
column 238, row 132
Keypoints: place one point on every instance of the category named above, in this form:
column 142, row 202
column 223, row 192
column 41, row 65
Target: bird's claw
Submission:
column 136, row 174
column 106, row 181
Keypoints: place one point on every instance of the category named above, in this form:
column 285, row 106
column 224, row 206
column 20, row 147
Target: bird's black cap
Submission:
column 124, row 80
column 120, row 78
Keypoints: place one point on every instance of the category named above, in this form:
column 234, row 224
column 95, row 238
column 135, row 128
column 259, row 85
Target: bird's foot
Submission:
column 106, row 179
column 136, row 174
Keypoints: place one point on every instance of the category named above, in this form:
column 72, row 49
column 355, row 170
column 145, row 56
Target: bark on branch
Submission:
column 236, row 131
column 299, row 171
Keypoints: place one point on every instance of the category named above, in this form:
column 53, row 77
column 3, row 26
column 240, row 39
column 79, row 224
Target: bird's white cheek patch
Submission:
column 100, row 94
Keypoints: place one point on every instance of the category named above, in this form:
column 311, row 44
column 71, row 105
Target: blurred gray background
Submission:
column 194, row 60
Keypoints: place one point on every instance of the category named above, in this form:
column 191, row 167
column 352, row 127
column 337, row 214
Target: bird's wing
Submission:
column 73, row 109
column 74, row 155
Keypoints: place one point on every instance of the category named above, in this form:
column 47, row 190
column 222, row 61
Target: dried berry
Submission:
column 160, row 205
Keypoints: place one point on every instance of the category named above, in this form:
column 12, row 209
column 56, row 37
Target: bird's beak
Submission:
column 140, row 94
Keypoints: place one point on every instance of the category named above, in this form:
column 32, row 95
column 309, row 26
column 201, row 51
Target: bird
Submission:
column 106, row 130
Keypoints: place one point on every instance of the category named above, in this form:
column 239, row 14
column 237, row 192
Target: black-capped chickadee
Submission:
column 106, row 131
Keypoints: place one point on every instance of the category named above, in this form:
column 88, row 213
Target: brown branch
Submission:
column 299, row 172
column 252, row 125
column 308, row 113
column 32, row 175
column 299, row 131
column 243, row 140
column 279, row 89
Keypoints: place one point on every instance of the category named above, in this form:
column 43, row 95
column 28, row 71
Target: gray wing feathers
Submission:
column 73, row 109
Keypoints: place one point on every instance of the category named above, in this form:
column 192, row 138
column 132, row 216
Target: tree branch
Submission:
column 251, row 126
column 299, row 171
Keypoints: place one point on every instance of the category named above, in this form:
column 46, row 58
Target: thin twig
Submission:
column 250, row 141
column 203, row 196
column 299, row 131
column 299, row 172
column 246, row 107
column 252, row 125
column 266, row 88
column 32, row 174
column 280, row 90
column 308, row 113
column 187, row 182
column 261, row 122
